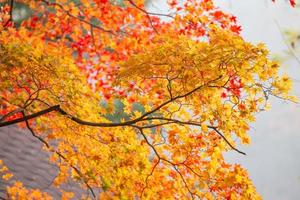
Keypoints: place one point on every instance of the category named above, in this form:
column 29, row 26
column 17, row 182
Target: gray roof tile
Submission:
column 24, row 156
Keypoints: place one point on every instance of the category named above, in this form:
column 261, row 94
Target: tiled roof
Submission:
column 24, row 156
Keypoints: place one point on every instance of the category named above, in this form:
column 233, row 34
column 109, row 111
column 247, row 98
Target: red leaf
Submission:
column 293, row 3
column 236, row 29
column 218, row 15
column 223, row 95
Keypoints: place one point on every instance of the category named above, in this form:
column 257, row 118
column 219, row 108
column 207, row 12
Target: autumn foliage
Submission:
column 140, row 105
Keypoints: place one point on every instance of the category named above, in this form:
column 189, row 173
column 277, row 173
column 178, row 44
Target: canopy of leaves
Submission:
column 137, row 107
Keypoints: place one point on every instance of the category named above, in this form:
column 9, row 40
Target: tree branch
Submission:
column 28, row 117
column 127, row 123
column 10, row 13
column 99, row 124
column 147, row 14
column 175, row 121
column 232, row 147
column 78, row 18
column 163, row 159
column 10, row 114
column 150, row 13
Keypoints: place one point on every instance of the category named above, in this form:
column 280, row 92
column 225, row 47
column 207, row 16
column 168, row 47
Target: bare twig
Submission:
column 150, row 13
column 288, row 46
column 78, row 18
column 146, row 13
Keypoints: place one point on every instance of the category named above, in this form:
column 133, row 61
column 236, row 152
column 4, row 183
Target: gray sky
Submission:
column 272, row 159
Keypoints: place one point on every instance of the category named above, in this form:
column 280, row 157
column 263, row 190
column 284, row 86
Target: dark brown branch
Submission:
column 150, row 13
column 10, row 13
column 28, row 117
column 154, row 125
column 163, row 159
column 183, row 180
column 175, row 121
column 10, row 114
column 128, row 123
column 220, row 134
column 94, row 41
column 175, row 98
column 146, row 13
column 147, row 141
column 87, row 123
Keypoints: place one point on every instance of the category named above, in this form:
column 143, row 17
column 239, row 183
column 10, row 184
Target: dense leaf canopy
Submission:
column 141, row 105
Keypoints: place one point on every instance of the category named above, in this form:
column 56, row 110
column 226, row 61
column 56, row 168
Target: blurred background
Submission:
column 273, row 158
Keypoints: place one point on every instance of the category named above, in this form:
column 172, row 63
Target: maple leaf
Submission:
column 236, row 29
column 293, row 3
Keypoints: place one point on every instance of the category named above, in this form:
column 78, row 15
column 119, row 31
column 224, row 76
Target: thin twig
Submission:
column 78, row 18
column 220, row 134
column 147, row 14
column 10, row 13
column 185, row 183
column 99, row 124
column 59, row 154
column 163, row 159
column 175, row 121
column 288, row 46
column 150, row 13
